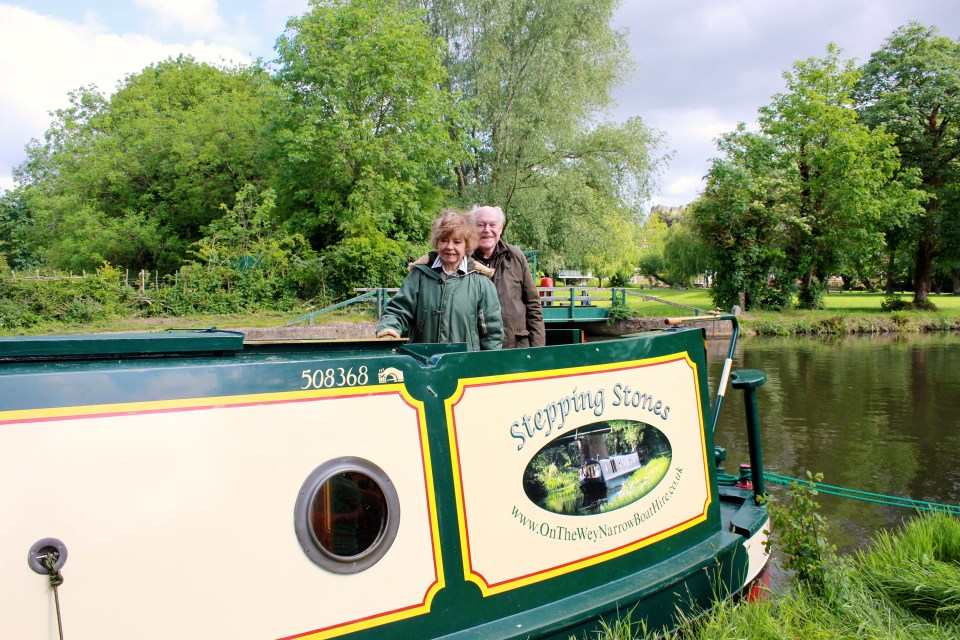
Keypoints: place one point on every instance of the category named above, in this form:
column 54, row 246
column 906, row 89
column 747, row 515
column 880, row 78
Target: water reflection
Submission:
column 873, row 413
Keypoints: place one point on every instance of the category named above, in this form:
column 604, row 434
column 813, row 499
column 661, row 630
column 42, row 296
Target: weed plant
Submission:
column 801, row 535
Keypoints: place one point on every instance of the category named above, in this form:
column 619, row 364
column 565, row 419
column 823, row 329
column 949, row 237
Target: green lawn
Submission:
column 862, row 302
column 853, row 302
column 698, row 298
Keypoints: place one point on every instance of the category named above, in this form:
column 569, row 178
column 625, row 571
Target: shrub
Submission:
column 367, row 261
column 620, row 279
column 801, row 533
column 70, row 300
column 770, row 328
column 811, row 296
column 831, row 325
column 619, row 311
column 900, row 318
column 893, row 302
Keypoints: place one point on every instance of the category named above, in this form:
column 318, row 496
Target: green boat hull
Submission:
column 202, row 486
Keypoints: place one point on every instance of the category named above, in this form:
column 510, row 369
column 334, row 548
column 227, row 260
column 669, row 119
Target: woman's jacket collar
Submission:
column 425, row 261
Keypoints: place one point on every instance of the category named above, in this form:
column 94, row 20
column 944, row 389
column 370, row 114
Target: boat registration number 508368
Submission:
column 334, row 377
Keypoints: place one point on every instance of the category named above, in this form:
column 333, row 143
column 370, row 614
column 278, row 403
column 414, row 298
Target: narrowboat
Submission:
column 190, row 484
column 602, row 472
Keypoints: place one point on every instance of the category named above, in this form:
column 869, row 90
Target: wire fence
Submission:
column 142, row 281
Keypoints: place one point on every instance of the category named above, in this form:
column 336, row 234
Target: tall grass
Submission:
column 927, row 584
column 905, row 585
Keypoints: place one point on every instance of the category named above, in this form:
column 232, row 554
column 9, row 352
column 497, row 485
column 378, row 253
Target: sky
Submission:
column 699, row 66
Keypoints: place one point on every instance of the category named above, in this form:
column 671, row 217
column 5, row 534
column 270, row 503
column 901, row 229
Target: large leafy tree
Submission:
column 807, row 197
column 534, row 78
column 911, row 87
column 652, row 240
column 837, row 175
column 361, row 142
column 671, row 249
column 133, row 179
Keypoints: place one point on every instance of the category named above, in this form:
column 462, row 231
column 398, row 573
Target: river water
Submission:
column 875, row 413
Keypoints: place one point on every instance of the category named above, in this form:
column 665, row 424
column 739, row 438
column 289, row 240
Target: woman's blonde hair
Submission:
column 451, row 222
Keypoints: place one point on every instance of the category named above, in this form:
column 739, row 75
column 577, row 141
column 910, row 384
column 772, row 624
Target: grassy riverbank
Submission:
column 844, row 312
column 905, row 586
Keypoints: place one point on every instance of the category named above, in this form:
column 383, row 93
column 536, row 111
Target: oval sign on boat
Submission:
column 600, row 467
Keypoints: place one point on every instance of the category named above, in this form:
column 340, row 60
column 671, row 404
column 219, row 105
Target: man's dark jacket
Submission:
column 519, row 299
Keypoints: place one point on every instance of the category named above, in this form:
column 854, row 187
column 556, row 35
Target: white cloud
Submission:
column 43, row 58
column 279, row 11
column 679, row 188
column 193, row 16
column 703, row 66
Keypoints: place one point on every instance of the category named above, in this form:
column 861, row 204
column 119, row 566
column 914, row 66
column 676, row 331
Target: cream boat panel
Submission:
column 174, row 514
column 510, row 418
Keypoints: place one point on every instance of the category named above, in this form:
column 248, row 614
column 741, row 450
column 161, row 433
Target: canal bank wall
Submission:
column 366, row 330
column 779, row 326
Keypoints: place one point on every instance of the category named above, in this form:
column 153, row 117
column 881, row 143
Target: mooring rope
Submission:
column 844, row 492
column 56, row 579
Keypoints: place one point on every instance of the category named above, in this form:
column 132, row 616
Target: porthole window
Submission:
column 347, row 515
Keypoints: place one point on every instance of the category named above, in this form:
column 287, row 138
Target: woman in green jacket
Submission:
column 448, row 297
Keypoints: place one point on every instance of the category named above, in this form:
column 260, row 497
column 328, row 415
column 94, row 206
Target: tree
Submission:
column 534, row 78
column 684, row 254
column 133, row 179
column 671, row 250
column 361, row 143
column 243, row 262
column 910, row 88
column 807, row 197
column 737, row 218
column 651, row 245
column 14, row 218
column 836, row 174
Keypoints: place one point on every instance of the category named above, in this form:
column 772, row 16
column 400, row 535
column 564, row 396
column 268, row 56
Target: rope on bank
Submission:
column 844, row 492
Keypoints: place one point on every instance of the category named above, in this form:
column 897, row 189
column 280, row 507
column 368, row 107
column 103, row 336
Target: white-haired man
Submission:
column 519, row 299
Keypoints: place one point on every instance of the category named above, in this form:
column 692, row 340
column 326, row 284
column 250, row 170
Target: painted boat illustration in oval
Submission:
column 598, row 468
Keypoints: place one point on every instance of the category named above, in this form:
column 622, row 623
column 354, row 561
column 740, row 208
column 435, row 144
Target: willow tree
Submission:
column 911, row 88
column 533, row 79
column 684, row 253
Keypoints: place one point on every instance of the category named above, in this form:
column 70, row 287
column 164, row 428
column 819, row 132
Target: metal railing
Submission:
column 380, row 296
column 559, row 304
